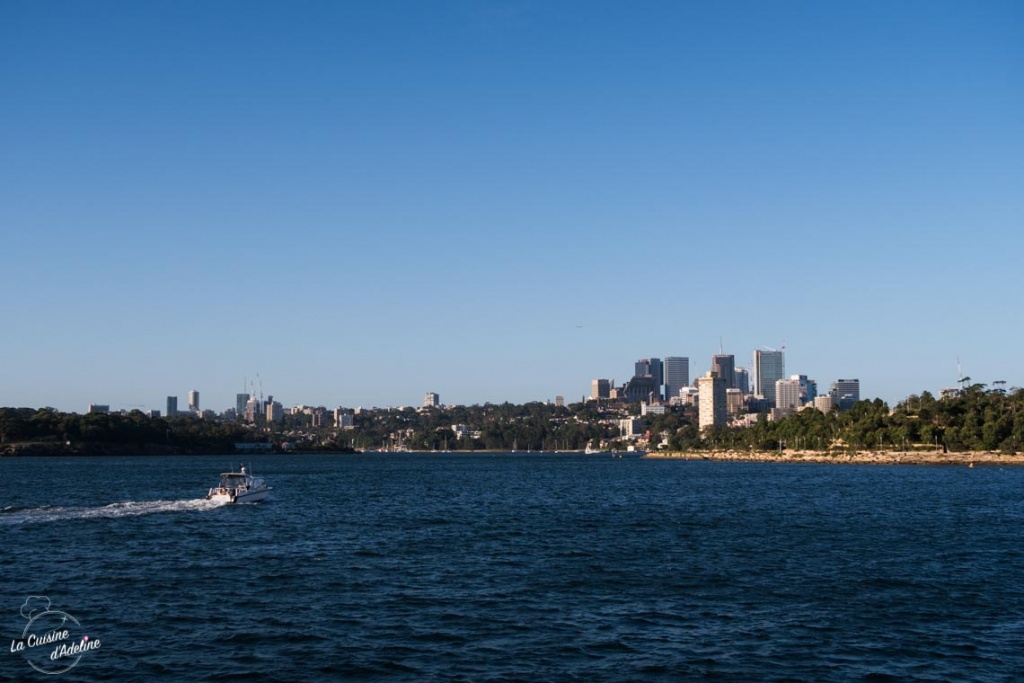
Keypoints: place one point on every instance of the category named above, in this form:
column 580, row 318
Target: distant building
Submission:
column 274, row 411
column 712, row 411
column 845, row 392
column 172, row 406
column 431, row 400
column 600, row 388
column 559, row 401
column 318, row 417
column 640, row 389
column 787, row 393
column 343, row 418
column 253, row 410
column 689, row 396
column 823, row 403
column 653, row 368
column 97, row 408
column 240, row 401
column 677, row 375
column 193, row 401
column 735, row 402
column 808, row 389
column 724, row 365
column 742, row 380
column 769, row 367
column 461, row 431
column 652, row 409
column 630, row 427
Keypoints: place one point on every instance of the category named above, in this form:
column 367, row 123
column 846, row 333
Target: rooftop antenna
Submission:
column 720, row 351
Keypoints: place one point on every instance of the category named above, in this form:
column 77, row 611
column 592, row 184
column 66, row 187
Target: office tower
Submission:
column 742, row 380
column 600, row 388
column 677, row 375
column 845, row 392
column 787, row 393
column 193, row 401
column 559, row 401
column 97, row 408
column 712, row 409
column 172, row 406
column 657, row 370
column 642, row 368
column 431, row 400
column 823, row 403
column 640, row 389
column 769, row 367
column 725, row 366
column 240, row 401
column 735, row 402
column 808, row 388
column 275, row 411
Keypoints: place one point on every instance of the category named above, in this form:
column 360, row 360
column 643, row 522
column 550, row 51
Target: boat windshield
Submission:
column 231, row 480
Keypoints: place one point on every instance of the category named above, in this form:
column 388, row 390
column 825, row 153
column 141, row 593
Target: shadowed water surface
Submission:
column 519, row 567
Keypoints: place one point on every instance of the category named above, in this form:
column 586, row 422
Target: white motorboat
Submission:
column 239, row 487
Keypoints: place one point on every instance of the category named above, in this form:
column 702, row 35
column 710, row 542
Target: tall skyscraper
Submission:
column 193, row 401
column 642, row 368
column 677, row 375
column 712, row 408
column 600, row 388
column 742, row 380
column 172, row 406
column 431, row 400
column 769, row 367
column 725, row 366
column 658, row 373
column 240, row 401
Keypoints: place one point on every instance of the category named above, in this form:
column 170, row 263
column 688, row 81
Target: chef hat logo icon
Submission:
column 34, row 606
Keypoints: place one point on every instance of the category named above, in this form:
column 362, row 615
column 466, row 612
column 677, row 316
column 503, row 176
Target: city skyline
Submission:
column 501, row 201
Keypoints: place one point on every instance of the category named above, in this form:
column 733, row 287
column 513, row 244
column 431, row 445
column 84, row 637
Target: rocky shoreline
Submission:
column 969, row 458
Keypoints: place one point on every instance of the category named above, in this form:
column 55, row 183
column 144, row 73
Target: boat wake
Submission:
column 55, row 513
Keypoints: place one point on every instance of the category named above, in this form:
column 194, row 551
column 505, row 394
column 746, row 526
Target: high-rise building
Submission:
column 431, row 400
column 653, row 368
column 677, row 375
column 808, row 389
column 640, row 389
column 787, row 393
column 735, row 402
column 275, row 411
column 172, row 406
column 769, row 367
column 724, row 365
column 845, row 392
column 600, row 388
column 193, row 401
column 240, row 401
column 98, row 408
column 823, row 403
column 712, row 408
column 658, row 373
column 559, row 401
column 742, row 380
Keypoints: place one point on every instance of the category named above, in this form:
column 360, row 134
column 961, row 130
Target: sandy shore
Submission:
column 858, row 458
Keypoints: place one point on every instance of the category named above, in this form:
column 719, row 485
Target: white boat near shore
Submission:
column 239, row 487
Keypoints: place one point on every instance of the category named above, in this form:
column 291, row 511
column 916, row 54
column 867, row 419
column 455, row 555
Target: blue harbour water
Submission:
column 519, row 568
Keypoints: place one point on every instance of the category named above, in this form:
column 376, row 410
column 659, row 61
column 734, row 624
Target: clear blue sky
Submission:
column 503, row 200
